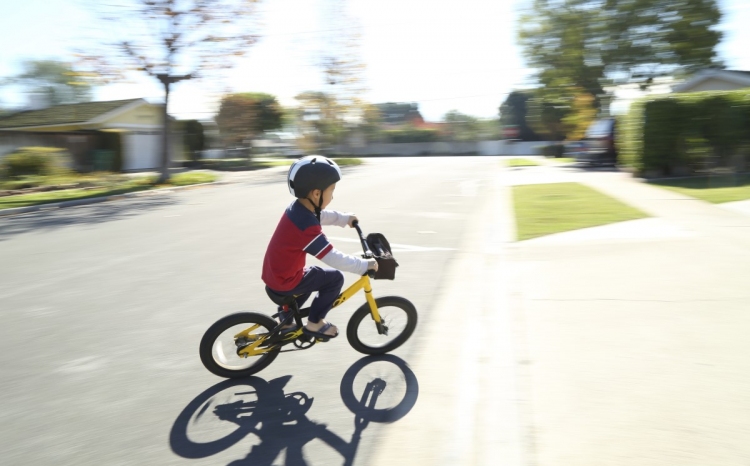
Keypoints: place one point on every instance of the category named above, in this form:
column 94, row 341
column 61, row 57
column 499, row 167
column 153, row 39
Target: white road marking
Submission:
column 395, row 246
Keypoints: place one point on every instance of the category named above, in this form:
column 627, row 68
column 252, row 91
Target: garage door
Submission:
column 142, row 151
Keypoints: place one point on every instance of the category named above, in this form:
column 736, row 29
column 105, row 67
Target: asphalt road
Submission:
column 103, row 307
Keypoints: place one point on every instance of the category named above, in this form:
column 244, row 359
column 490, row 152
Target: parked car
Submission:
column 574, row 148
column 599, row 144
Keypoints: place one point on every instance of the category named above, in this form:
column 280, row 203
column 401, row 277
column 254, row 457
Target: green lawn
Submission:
column 120, row 187
column 522, row 163
column 544, row 209
column 563, row 159
column 715, row 189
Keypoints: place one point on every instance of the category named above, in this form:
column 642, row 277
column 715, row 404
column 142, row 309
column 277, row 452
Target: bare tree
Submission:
column 342, row 66
column 173, row 41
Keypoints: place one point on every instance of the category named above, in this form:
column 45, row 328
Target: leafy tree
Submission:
column 490, row 129
column 461, row 127
column 557, row 114
column 546, row 117
column 244, row 116
column 371, row 123
column 173, row 41
column 587, row 44
column 514, row 112
column 55, row 81
column 582, row 113
column 321, row 119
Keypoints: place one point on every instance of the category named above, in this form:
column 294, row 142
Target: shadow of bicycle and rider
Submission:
column 379, row 389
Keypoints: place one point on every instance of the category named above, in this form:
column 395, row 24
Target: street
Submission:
column 104, row 306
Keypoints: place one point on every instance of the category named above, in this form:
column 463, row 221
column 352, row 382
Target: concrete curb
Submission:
column 95, row 200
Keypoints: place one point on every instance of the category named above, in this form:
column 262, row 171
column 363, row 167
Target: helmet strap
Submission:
column 318, row 207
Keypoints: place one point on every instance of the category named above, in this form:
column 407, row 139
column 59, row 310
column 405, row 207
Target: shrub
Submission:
column 411, row 135
column 552, row 150
column 679, row 133
column 226, row 164
column 35, row 161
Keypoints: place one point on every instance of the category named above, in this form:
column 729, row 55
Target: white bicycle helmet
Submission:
column 312, row 172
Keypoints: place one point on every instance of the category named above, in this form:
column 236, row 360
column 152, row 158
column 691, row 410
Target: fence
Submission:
column 412, row 149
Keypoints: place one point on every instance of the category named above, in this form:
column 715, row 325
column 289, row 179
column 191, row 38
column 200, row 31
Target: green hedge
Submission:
column 34, row 161
column 412, row 135
column 681, row 134
column 552, row 150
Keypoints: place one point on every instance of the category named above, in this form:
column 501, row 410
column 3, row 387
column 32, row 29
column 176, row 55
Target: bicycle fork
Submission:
column 382, row 328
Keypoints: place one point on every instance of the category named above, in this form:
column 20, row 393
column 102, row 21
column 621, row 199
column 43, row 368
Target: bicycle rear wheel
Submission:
column 219, row 345
column 397, row 314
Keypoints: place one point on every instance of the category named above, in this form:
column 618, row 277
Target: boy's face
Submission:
column 328, row 195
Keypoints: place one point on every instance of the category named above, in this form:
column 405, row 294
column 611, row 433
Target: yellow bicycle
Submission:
column 245, row 343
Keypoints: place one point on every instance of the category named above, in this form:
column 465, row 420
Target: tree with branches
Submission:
column 173, row 41
column 587, row 46
column 55, row 82
column 244, row 116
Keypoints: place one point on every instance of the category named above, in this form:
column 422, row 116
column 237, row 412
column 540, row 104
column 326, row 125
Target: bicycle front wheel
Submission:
column 399, row 316
column 221, row 342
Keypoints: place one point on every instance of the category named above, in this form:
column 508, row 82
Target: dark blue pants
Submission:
column 327, row 282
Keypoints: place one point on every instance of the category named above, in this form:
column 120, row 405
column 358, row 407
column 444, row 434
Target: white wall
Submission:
column 446, row 148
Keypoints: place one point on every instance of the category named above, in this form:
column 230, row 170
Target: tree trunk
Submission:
column 164, row 176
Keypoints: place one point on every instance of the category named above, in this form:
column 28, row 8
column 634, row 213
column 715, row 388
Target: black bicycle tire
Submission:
column 364, row 312
column 206, row 345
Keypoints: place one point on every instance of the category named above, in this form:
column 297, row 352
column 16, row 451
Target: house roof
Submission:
column 64, row 114
column 399, row 113
column 739, row 77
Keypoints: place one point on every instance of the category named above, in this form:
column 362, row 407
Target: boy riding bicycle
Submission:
column 311, row 180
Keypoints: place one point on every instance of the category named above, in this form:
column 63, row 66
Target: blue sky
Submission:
column 450, row 54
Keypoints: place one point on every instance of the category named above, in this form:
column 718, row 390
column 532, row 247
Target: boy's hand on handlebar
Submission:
column 372, row 264
column 352, row 218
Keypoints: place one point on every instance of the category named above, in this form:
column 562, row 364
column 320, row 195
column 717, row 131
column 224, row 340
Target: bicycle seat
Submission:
column 280, row 299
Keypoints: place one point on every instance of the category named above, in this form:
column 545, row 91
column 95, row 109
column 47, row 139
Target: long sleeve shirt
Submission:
column 299, row 233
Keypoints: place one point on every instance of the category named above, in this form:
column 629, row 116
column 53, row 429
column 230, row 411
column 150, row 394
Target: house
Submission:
column 715, row 80
column 76, row 127
column 395, row 115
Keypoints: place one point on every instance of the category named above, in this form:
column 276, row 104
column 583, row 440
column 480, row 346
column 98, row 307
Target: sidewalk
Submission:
column 633, row 349
column 466, row 413
column 598, row 350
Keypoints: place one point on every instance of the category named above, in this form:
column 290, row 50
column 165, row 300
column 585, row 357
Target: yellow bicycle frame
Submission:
column 364, row 282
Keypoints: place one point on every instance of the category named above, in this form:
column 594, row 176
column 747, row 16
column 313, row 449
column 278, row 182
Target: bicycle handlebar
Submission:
column 362, row 239
column 365, row 248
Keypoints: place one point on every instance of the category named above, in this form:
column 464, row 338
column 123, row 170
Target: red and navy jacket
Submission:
column 297, row 233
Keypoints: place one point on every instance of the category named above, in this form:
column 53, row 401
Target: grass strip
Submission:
column 563, row 160
column 522, row 163
column 138, row 184
column 544, row 209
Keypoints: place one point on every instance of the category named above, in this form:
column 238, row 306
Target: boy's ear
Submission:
column 315, row 194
